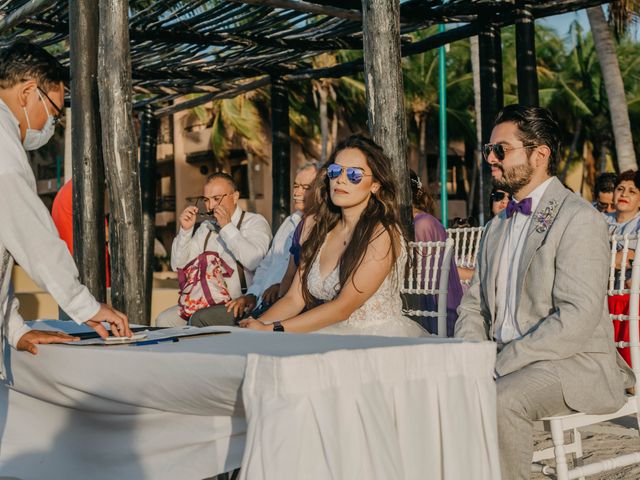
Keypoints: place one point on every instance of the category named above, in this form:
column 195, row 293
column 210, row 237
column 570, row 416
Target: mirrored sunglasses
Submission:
column 354, row 174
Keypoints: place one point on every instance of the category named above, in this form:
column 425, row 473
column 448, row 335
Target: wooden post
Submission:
column 526, row 56
column 491, row 92
column 148, row 163
column 120, row 152
column 280, row 152
column 385, row 92
column 86, row 154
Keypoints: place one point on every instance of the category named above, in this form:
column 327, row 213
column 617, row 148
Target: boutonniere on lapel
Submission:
column 544, row 218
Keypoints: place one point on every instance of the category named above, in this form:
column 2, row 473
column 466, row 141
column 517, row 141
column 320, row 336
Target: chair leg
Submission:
column 576, row 438
column 557, row 436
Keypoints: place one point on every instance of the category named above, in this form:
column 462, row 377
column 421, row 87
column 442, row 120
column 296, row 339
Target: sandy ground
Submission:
column 601, row 441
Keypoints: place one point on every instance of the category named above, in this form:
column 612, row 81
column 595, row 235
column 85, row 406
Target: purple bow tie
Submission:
column 524, row 207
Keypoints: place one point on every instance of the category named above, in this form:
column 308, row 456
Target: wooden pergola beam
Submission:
column 526, row 57
column 120, row 151
column 86, row 154
column 344, row 69
column 491, row 92
column 212, row 40
column 148, row 170
column 385, row 92
column 208, row 97
column 307, row 7
column 21, row 14
column 280, row 152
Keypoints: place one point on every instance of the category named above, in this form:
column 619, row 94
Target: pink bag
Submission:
column 202, row 282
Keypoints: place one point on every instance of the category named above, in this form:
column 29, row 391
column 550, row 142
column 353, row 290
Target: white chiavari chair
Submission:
column 619, row 284
column 466, row 246
column 428, row 274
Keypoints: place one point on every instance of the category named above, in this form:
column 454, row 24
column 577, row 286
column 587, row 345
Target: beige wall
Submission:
column 189, row 180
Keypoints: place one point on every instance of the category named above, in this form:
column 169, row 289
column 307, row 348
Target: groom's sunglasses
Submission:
column 499, row 196
column 499, row 150
column 354, row 174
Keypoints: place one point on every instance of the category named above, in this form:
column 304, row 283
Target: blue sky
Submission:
column 561, row 23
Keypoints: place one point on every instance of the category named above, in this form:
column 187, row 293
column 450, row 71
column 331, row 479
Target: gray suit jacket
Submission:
column 561, row 305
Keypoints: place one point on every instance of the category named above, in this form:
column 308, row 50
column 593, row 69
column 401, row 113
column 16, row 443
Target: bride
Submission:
column 353, row 258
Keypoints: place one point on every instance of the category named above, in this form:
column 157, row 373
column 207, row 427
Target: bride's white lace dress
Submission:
column 380, row 315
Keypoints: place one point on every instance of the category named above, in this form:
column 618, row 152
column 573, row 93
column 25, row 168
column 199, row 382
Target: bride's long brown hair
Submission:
column 381, row 211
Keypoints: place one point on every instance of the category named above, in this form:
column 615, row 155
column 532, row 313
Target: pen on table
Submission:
column 155, row 341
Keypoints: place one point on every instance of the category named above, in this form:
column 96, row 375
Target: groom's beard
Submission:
column 514, row 178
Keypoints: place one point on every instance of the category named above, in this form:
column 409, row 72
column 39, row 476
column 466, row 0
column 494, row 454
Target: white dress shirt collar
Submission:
column 235, row 218
column 537, row 194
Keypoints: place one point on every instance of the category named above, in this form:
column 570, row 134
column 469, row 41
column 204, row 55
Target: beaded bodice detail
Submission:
column 381, row 314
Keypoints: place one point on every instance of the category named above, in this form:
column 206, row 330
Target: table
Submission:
column 176, row 410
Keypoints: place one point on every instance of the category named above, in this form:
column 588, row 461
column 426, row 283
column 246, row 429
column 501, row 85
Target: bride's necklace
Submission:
column 346, row 238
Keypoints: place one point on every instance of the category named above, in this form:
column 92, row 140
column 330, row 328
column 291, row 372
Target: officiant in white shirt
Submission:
column 31, row 103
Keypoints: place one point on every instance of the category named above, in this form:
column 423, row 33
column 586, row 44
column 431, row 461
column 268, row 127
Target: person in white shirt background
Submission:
column 247, row 245
column 31, row 102
column 263, row 292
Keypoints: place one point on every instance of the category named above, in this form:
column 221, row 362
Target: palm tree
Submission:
column 614, row 85
column 477, row 182
column 421, row 97
column 324, row 90
column 232, row 121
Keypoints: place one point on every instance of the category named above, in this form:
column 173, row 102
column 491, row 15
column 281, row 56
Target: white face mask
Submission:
column 34, row 139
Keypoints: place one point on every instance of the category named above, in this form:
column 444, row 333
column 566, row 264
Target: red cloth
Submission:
column 62, row 214
column 619, row 305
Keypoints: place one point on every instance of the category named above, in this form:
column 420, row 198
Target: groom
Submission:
column 539, row 291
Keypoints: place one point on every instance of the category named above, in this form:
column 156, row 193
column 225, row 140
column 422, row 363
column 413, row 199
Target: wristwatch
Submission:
column 277, row 327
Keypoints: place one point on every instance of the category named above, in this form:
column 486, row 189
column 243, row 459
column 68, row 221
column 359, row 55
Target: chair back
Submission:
column 428, row 274
column 466, row 245
column 624, row 279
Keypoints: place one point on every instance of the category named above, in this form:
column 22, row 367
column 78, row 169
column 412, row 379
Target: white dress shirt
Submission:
column 28, row 236
column 248, row 245
column 511, row 250
column 274, row 265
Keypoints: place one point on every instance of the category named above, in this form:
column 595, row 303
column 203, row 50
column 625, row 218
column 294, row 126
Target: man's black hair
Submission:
column 536, row 126
column 605, row 183
column 22, row 61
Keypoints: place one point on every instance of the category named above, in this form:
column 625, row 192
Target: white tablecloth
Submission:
column 175, row 410
column 420, row 412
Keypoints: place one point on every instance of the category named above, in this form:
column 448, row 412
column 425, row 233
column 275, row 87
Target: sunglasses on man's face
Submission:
column 499, row 150
column 604, row 207
column 354, row 174
column 499, row 196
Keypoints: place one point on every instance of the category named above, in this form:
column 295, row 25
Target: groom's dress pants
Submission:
column 524, row 396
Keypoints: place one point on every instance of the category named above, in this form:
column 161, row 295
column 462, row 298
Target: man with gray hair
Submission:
column 263, row 292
